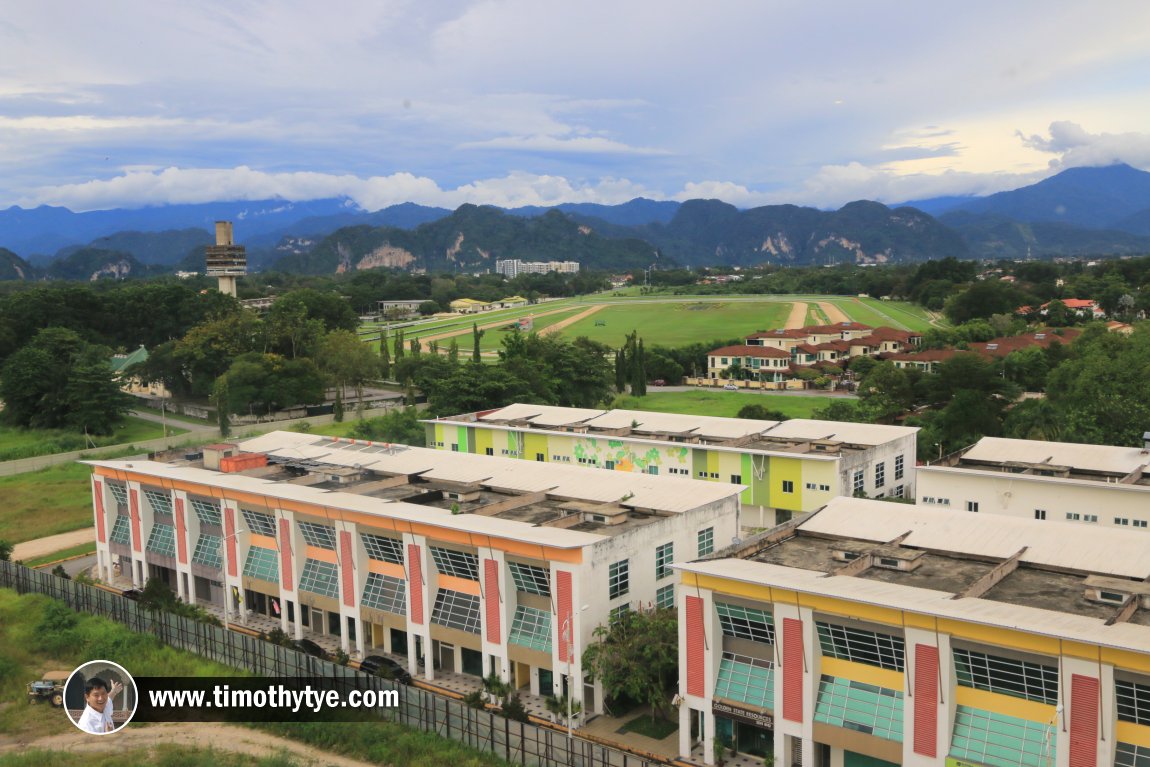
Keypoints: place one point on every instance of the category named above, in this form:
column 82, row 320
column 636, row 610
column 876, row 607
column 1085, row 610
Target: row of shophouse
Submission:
column 998, row 621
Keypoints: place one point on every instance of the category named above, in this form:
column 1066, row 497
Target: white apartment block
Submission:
column 513, row 267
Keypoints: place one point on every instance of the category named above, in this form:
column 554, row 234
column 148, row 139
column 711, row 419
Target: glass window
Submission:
column 665, row 597
column 383, row 592
column 664, row 555
column 1133, row 701
column 617, row 613
column 1000, row 740
column 618, row 579
column 319, row 577
column 1008, row 676
column 383, row 549
column 898, row 466
column 531, row 628
column 860, row 707
column 746, row 623
column 208, row 513
column 121, row 530
column 461, row 564
column 160, row 501
column 746, row 680
column 263, row 564
column 788, row 486
column 530, row 578
column 880, row 474
column 119, row 491
column 861, row 646
column 456, row 610
column 1131, row 755
column 262, row 524
column 162, row 540
column 208, row 551
column 706, row 541
column 322, row 536
column 858, row 481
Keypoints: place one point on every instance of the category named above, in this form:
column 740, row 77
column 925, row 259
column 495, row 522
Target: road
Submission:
column 782, row 393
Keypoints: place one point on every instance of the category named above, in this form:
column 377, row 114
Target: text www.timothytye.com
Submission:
column 275, row 696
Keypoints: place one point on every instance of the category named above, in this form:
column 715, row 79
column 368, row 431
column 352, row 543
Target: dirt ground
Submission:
column 558, row 326
column 224, row 737
column 833, row 313
column 487, row 326
column 798, row 316
column 53, row 543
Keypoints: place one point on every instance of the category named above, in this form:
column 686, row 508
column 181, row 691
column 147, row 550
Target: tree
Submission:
column 761, row 413
column 58, row 380
column 637, row 656
column 476, row 334
column 346, row 361
column 384, row 356
column 331, row 309
column 399, row 425
column 983, row 299
column 265, row 383
column 885, row 393
column 6, row 549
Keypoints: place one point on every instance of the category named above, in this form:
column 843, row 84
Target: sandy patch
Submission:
column 834, row 314
column 50, row 545
column 798, row 316
column 558, row 326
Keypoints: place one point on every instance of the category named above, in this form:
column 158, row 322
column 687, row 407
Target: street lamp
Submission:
column 569, row 642
column 227, row 596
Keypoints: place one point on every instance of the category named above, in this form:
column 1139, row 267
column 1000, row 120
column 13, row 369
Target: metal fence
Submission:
column 518, row 743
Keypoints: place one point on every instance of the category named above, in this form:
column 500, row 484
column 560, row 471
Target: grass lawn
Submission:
column 679, row 323
column 45, row 502
column 913, row 316
column 79, row 550
column 648, row 725
column 721, row 403
column 26, row 443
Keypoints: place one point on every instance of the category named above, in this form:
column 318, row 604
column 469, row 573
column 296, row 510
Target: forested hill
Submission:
column 12, row 267
column 470, row 239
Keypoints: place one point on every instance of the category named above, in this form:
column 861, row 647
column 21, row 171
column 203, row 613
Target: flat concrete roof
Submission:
column 1079, row 458
column 951, row 551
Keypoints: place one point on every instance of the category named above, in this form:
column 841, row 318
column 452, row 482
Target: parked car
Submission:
column 310, row 647
column 731, row 387
column 658, row 382
column 385, row 667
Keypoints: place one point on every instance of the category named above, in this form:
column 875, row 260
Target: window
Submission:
column 321, row 536
column 1073, row 516
column 880, row 474
column 457, row 563
column 652, row 469
column 788, row 486
column 531, row 627
column 1140, row 523
column 456, row 610
column 896, row 492
column 664, row 555
column 972, row 506
column 746, row 680
column 1040, row 513
column 489, row 450
column 162, row 540
column 898, row 465
column 531, row 579
column 858, row 481
column 383, row 592
column 454, row 447
column 618, row 579
column 1121, row 521
column 1131, row 755
column 263, row 564
column 1094, row 518
column 706, row 541
column 665, row 597
column 160, row 502
column 811, row 486
column 860, row 707
column 617, row 614
column 861, row 646
column 320, row 578
column 208, row 513
column 1133, row 701
column 540, row 457
column 990, row 738
column 1008, row 676
column 261, row 524
column 746, row 623
column 736, row 479
column 119, row 491
column 121, row 530
column 207, row 551
column 610, row 465
column 382, row 548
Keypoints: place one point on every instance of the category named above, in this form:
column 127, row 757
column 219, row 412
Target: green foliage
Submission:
column 264, row 383
column 983, row 299
column 475, row 699
column 761, row 413
column 637, row 657
column 5, row 550
column 514, row 709
column 58, row 380
column 399, row 425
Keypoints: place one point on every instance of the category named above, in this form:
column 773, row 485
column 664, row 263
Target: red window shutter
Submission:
column 181, row 533
column 491, row 599
column 563, row 597
column 415, row 587
column 345, row 557
column 98, row 492
column 230, row 532
column 793, row 669
column 286, row 580
column 696, row 648
column 1083, row 721
column 134, row 509
column 925, row 699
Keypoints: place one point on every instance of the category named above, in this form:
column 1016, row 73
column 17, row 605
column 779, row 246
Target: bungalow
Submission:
column 469, row 306
column 766, row 363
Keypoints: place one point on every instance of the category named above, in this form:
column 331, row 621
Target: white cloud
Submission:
column 1075, row 146
column 575, row 145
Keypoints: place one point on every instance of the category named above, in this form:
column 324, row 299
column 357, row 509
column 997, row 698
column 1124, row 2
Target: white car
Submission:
column 731, row 387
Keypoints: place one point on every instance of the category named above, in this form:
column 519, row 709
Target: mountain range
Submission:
column 1080, row 211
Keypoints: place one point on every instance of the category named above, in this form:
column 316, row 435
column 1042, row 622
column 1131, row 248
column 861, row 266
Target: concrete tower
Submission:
column 226, row 260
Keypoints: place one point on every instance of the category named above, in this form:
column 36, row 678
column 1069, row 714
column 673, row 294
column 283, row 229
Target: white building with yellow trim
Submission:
column 788, row 467
column 878, row 634
column 481, row 565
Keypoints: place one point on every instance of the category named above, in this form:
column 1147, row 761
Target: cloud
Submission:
column 576, row 145
column 1075, row 146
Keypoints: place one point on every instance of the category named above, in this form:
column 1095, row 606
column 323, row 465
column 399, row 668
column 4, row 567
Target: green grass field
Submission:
column 721, row 403
column 46, row 502
column 27, row 443
column 679, row 323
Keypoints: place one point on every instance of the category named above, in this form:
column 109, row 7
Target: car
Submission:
column 658, row 382
column 731, row 387
column 309, row 647
column 386, row 668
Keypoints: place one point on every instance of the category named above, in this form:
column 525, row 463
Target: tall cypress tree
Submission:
column 384, row 355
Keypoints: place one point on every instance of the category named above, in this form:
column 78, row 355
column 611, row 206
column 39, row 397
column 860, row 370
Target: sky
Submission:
column 128, row 103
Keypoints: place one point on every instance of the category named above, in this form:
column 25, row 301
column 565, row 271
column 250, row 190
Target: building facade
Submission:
column 878, row 634
column 458, row 562
column 1097, row 485
column 513, row 267
column 788, row 467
